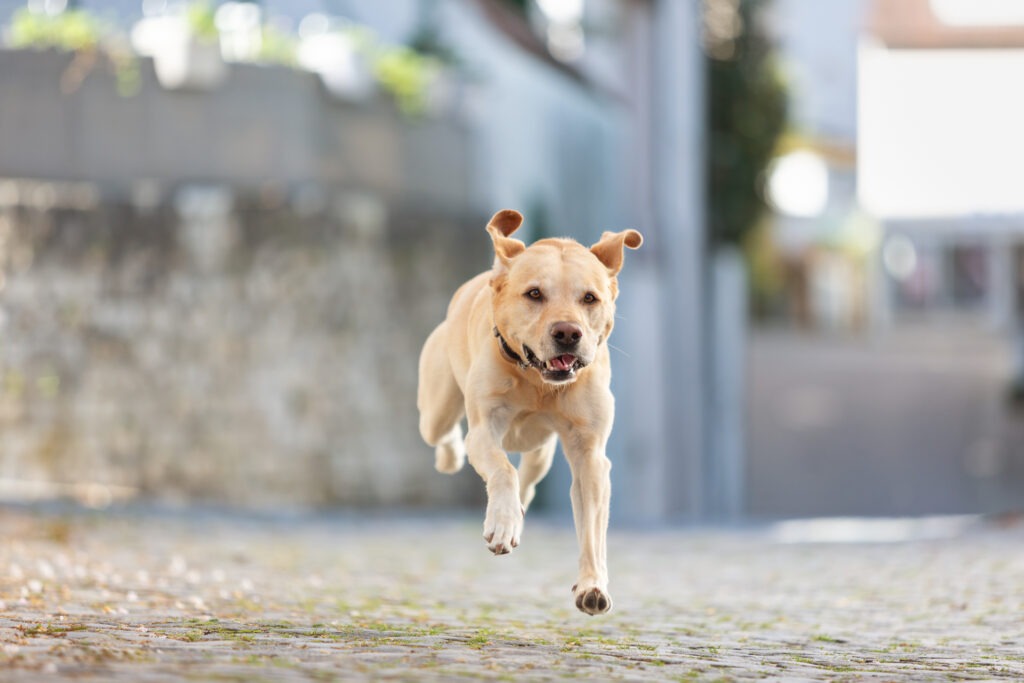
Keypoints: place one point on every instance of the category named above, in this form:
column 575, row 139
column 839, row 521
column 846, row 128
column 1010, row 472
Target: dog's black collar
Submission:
column 511, row 355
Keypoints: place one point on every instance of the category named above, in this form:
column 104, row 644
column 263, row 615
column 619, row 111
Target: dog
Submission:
column 523, row 356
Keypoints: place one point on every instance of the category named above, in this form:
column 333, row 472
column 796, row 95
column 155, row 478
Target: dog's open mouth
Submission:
column 561, row 368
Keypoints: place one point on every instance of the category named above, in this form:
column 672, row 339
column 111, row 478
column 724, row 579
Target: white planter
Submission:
column 241, row 36
column 191, row 65
column 344, row 71
column 181, row 60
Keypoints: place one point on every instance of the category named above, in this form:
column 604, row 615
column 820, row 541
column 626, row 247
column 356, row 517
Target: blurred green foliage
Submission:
column 767, row 273
column 402, row 71
column 126, row 70
column 200, row 17
column 428, row 37
column 278, row 46
column 406, row 74
column 81, row 32
column 520, row 6
column 746, row 115
column 72, row 30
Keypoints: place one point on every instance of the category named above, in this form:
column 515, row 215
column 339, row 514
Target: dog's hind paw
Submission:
column 450, row 456
column 448, row 460
column 592, row 600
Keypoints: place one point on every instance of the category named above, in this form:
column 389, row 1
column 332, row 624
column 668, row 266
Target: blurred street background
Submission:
column 226, row 229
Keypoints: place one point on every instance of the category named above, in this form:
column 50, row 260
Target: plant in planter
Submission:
column 407, row 75
column 353, row 63
column 71, row 30
column 240, row 27
column 450, row 82
column 79, row 32
column 278, row 47
column 202, row 21
column 185, row 48
column 338, row 55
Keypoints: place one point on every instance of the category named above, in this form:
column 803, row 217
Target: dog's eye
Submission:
column 589, row 298
column 535, row 294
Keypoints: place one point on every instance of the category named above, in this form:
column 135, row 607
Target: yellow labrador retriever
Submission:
column 523, row 354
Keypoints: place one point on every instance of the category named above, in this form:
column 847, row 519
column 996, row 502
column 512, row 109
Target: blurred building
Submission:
column 819, row 231
column 216, row 270
column 896, row 194
column 898, row 212
column 940, row 150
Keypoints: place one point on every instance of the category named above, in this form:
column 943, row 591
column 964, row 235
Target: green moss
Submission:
column 54, row 630
column 480, row 639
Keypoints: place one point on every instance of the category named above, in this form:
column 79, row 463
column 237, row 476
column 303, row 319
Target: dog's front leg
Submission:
column 503, row 524
column 591, row 497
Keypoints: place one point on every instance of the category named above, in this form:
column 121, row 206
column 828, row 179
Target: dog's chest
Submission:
column 529, row 430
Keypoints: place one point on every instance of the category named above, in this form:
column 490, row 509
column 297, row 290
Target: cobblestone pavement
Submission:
column 154, row 597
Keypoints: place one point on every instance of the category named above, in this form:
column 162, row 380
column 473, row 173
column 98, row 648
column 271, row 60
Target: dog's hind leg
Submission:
column 533, row 467
column 450, row 452
column 441, row 404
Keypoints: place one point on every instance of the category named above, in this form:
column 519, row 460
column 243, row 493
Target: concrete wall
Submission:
column 265, row 127
column 221, row 296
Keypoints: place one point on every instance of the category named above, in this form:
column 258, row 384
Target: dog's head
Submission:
column 554, row 301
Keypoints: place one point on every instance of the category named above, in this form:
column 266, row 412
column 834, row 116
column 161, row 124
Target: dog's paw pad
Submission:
column 593, row 601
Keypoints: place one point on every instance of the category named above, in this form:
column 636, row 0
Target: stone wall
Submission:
column 225, row 347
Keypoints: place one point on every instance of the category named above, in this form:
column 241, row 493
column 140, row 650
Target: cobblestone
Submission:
column 158, row 597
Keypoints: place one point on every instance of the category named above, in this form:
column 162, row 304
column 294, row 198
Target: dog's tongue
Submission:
column 563, row 362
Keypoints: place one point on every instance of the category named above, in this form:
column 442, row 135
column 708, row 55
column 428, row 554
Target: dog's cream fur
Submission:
column 540, row 387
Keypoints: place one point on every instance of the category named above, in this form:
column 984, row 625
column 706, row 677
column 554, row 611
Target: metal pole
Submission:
column 678, row 123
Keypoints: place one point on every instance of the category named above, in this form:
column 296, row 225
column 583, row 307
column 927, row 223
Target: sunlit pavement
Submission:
column 157, row 597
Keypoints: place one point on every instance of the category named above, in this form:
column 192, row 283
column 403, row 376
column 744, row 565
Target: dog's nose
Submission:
column 566, row 334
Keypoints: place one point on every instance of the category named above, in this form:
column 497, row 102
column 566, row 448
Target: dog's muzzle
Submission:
column 557, row 370
column 561, row 368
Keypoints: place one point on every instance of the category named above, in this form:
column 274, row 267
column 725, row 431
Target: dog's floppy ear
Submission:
column 503, row 224
column 609, row 250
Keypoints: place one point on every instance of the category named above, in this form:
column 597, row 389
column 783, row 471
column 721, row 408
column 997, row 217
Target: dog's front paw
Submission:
column 592, row 600
column 503, row 524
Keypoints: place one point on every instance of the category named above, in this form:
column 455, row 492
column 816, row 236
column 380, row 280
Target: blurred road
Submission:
column 113, row 597
column 911, row 422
